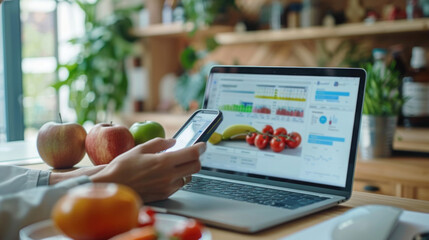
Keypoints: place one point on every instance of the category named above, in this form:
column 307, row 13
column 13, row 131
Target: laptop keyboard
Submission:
column 252, row 194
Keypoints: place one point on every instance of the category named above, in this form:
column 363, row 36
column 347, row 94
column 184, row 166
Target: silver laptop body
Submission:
column 323, row 104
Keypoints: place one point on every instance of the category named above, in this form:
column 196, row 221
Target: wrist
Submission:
column 101, row 176
column 57, row 177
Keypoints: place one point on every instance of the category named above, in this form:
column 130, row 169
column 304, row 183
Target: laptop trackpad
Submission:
column 221, row 212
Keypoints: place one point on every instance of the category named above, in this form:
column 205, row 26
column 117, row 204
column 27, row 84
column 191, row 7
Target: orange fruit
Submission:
column 97, row 211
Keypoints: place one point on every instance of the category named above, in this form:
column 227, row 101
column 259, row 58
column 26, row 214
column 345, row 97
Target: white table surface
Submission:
column 19, row 153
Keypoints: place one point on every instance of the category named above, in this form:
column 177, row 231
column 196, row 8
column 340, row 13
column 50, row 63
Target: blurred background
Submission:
column 103, row 60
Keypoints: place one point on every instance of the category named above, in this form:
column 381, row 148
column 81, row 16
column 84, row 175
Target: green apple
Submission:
column 145, row 131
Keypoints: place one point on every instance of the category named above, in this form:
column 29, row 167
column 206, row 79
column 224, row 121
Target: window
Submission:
column 47, row 26
column 2, row 95
column 11, row 84
column 39, row 63
column 42, row 28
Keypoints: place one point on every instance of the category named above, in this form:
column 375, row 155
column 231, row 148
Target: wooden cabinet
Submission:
column 422, row 193
column 397, row 176
column 371, row 186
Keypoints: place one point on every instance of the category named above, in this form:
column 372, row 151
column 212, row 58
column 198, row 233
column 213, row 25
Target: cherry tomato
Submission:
column 261, row 141
column 146, row 217
column 250, row 138
column 142, row 233
column 97, row 211
column 281, row 131
column 268, row 129
column 293, row 140
column 192, row 230
column 277, row 145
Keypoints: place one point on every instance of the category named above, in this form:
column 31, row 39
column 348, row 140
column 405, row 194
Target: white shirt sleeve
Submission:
column 14, row 179
column 20, row 209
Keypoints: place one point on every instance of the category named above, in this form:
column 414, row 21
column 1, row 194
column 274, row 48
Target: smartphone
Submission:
column 198, row 128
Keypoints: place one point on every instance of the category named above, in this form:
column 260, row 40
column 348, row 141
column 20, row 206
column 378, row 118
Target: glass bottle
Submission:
column 293, row 12
column 397, row 57
column 416, row 88
column 167, row 12
column 413, row 9
column 379, row 55
column 401, row 68
column 310, row 13
column 425, row 7
column 179, row 13
column 276, row 15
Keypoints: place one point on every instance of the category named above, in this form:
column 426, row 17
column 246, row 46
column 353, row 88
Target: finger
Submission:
column 156, row 145
column 187, row 169
column 185, row 155
column 182, row 181
column 178, row 184
column 173, row 187
column 188, row 179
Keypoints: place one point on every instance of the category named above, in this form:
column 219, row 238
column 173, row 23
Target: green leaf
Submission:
column 96, row 77
column 382, row 97
column 188, row 58
column 211, row 44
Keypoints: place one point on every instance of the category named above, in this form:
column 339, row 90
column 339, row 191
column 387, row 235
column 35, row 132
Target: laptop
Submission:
column 246, row 189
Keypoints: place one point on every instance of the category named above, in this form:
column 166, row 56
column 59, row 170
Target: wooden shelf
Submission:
column 396, row 176
column 176, row 29
column 162, row 46
column 344, row 30
column 412, row 139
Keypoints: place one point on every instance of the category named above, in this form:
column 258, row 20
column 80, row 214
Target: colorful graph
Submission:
column 262, row 109
column 333, row 120
column 282, row 93
column 242, row 107
column 330, row 96
column 290, row 111
column 266, row 91
column 292, row 93
column 324, row 140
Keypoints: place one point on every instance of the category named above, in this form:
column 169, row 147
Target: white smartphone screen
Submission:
column 193, row 130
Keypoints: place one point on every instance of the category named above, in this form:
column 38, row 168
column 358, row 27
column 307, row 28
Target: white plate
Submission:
column 165, row 224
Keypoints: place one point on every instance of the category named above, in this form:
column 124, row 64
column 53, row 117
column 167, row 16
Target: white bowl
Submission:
column 165, row 224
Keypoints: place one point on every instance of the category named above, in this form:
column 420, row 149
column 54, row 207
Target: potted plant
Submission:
column 96, row 77
column 382, row 105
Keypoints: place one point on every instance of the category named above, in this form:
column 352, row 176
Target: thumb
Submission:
column 156, row 145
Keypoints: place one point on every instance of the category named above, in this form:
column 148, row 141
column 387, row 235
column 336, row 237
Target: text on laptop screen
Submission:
column 320, row 108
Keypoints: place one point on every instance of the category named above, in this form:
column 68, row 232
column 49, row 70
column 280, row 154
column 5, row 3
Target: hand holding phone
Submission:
column 198, row 128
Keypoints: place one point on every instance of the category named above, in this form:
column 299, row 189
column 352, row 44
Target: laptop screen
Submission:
column 321, row 109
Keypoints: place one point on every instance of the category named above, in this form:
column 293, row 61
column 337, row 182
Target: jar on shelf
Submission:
column 413, row 9
column 354, row 11
column 310, row 13
column 293, row 12
column 425, row 7
column 379, row 56
column 416, row 89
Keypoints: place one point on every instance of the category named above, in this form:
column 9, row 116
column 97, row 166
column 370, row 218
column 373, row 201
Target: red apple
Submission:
column 106, row 141
column 61, row 145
